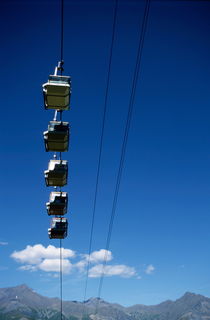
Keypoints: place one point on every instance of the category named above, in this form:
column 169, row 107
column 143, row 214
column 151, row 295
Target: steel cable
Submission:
column 100, row 149
column 60, row 154
column 124, row 144
column 62, row 29
column 61, row 280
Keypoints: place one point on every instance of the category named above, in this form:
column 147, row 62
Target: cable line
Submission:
column 124, row 144
column 57, row 93
column 61, row 279
column 61, row 71
column 62, row 29
column 60, row 68
column 100, row 147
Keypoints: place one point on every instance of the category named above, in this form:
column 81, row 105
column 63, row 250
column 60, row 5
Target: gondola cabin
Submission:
column 57, row 204
column 57, row 92
column 56, row 138
column 57, row 173
column 59, row 227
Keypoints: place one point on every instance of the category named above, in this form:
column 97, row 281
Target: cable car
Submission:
column 59, row 227
column 56, row 138
column 57, row 92
column 57, row 204
column 57, row 173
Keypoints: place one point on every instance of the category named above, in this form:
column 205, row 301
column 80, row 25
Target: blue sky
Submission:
column 160, row 246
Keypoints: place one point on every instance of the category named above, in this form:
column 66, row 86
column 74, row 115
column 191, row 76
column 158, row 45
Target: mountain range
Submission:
column 22, row 303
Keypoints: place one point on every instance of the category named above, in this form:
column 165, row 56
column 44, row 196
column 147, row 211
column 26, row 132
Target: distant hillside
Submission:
column 22, row 303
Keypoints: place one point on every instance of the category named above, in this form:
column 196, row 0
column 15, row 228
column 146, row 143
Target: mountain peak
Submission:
column 188, row 293
column 191, row 295
column 22, row 289
column 23, row 286
column 93, row 300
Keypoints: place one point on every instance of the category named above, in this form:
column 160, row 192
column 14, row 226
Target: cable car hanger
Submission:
column 57, row 93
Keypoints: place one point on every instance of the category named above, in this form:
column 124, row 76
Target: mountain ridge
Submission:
column 23, row 303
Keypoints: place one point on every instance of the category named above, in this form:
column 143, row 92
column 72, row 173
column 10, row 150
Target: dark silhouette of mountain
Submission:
column 22, row 303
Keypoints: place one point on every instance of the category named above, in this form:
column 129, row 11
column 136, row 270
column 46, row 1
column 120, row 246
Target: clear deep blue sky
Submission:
column 162, row 225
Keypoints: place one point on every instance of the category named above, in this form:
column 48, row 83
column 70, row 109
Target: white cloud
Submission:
column 53, row 265
column 94, row 258
column 35, row 254
column 99, row 256
column 112, row 270
column 28, row 267
column 47, row 259
column 149, row 269
column 81, row 265
column 49, row 265
column 3, row 243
